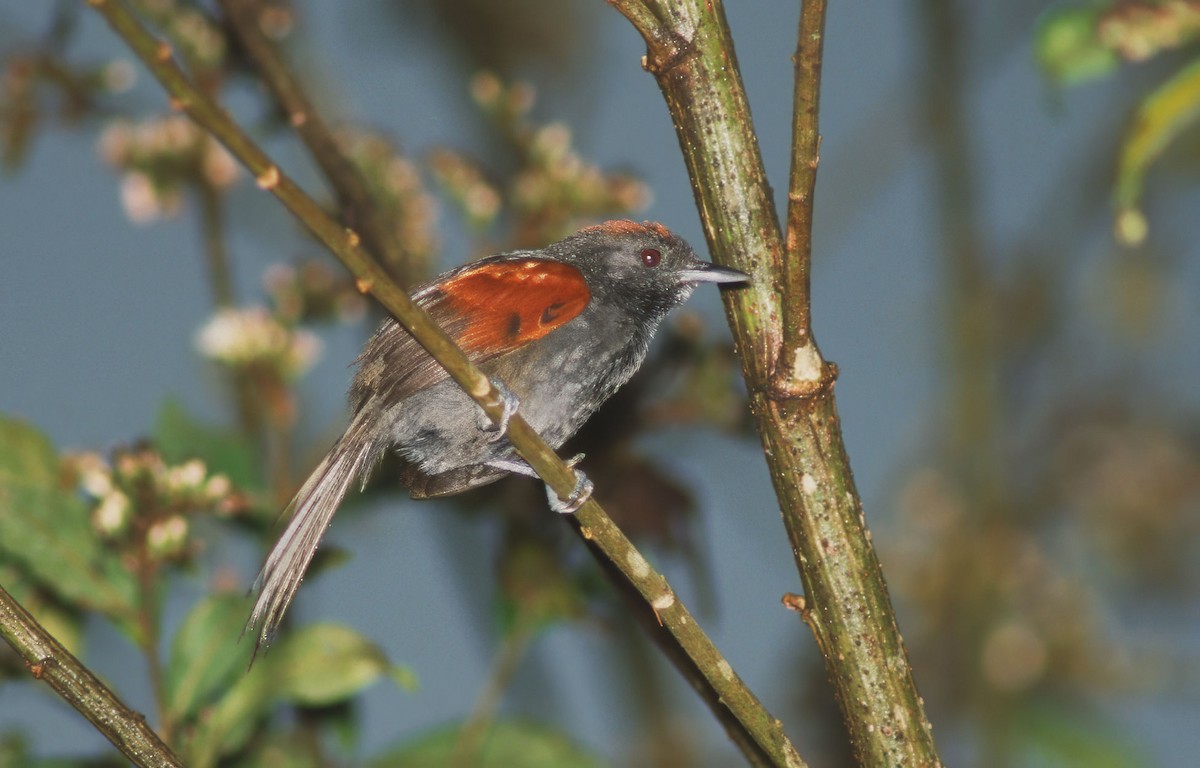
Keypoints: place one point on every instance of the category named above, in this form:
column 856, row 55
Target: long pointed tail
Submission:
column 311, row 510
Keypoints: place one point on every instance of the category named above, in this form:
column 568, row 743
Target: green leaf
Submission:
column 1068, row 738
column 46, row 530
column 63, row 624
column 233, row 719
column 317, row 665
column 1167, row 112
column 179, row 437
column 205, row 654
column 323, row 664
column 506, row 745
column 536, row 590
column 1068, row 46
column 280, row 750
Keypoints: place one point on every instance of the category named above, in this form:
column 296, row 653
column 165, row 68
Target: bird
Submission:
column 557, row 330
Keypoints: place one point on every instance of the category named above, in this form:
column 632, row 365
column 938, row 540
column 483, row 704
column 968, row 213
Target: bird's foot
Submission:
column 576, row 499
column 508, row 402
column 579, row 494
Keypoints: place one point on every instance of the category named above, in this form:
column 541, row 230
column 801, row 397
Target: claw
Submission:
column 510, row 403
column 579, row 494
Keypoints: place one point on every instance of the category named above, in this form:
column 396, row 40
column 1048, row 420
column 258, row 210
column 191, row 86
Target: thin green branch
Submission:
column 800, row 352
column 220, row 276
column 358, row 207
column 49, row 661
column 149, row 621
column 728, row 689
column 221, row 286
column 474, row 731
column 846, row 603
column 973, row 402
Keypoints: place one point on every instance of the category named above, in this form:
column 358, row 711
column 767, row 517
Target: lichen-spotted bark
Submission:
column 690, row 53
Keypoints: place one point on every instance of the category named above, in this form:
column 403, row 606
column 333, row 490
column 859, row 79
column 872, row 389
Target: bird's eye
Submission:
column 651, row 257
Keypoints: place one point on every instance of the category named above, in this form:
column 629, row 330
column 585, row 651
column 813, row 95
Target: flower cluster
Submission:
column 553, row 188
column 198, row 40
column 41, row 87
column 464, row 181
column 1140, row 30
column 398, row 189
column 157, row 158
column 255, row 338
column 995, row 595
column 312, row 291
column 1136, row 486
column 140, row 499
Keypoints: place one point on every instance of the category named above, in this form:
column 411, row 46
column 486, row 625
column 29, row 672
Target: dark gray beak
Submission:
column 704, row 272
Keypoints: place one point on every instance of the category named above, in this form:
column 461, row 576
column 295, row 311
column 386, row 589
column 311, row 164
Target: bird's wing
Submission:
column 490, row 307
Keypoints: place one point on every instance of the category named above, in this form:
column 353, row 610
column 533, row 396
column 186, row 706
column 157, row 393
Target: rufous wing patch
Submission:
column 499, row 306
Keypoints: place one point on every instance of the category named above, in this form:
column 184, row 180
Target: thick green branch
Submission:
column 727, row 689
column 49, row 661
column 690, row 52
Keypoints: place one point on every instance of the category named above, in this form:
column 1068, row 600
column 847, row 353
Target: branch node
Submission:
column 794, row 602
column 637, row 564
column 481, row 387
column 663, row 601
column 268, row 179
column 725, row 669
column 800, row 371
column 163, row 51
column 665, row 52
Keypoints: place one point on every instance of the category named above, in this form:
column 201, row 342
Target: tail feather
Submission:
column 311, row 511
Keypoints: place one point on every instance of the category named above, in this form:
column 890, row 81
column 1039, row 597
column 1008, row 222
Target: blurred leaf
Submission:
column 179, row 437
column 233, row 719
column 1163, row 115
column 342, row 720
column 507, row 745
column 547, row 35
column 1141, row 29
column 1060, row 734
column 205, row 653
column 325, row 663
column 15, row 753
column 281, row 750
column 317, row 665
column 46, row 529
column 1069, row 48
column 63, row 624
column 536, row 589
column 328, row 558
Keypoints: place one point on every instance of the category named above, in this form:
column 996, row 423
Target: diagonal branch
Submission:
column 359, row 210
column 48, row 660
column 846, row 605
column 727, row 691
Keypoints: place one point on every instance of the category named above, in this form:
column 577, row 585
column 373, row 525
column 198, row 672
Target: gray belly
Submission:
column 439, row 429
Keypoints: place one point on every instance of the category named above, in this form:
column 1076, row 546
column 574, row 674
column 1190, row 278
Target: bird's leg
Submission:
column 576, row 499
column 509, row 402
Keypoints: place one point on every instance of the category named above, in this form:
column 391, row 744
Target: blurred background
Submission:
column 1006, row 273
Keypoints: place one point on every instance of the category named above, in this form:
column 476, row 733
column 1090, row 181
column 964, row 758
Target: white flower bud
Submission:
column 111, row 515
